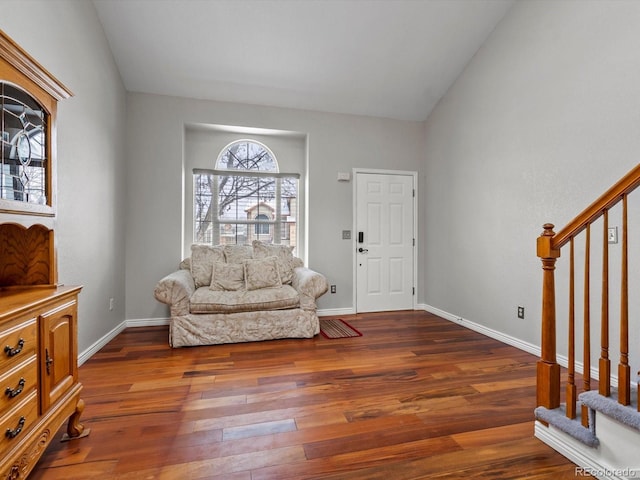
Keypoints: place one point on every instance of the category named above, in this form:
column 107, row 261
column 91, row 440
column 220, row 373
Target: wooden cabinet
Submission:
column 39, row 388
column 38, row 373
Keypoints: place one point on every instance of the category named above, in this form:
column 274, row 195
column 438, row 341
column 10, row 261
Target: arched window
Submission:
column 262, row 228
column 244, row 197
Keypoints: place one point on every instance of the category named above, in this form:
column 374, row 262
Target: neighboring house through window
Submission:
column 245, row 198
column 262, row 228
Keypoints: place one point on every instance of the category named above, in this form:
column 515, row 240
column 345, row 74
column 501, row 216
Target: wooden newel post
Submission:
column 548, row 370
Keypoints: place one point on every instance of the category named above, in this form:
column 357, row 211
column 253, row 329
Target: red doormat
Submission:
column 337, row 328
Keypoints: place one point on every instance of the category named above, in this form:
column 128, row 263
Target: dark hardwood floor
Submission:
column 415, row 397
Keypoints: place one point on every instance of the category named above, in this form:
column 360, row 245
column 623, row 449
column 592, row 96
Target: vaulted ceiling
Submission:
column 385, row 58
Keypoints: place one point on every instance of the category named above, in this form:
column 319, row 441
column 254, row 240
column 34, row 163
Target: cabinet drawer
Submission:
column 18, row 341
column 18, row 383
column 18, row 420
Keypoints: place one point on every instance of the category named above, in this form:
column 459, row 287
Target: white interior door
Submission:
column 384, row 242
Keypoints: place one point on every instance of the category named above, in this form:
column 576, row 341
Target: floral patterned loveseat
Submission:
column 241, row 293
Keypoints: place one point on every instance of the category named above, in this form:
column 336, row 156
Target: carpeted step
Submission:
column 625, row 414
column 573, row 427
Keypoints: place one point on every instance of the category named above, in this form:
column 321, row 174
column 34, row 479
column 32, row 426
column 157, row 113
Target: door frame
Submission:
column 354, row 244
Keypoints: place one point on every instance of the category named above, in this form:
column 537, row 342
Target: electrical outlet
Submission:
column 111, row 304
column 520, row 312
column 612, row 234
column 333, row 289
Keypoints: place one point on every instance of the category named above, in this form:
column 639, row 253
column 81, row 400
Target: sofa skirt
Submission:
column 214, row 329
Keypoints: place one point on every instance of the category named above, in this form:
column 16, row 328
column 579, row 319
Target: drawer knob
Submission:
column 11, row 393
column 14, row 351
column 14, row 433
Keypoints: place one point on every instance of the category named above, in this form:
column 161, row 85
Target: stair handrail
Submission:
column 625, row 185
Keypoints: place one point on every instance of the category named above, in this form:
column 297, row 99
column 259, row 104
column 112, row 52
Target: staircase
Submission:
column 594, row 422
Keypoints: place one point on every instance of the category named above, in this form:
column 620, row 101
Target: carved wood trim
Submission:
column 29, row 67
column 27, row 255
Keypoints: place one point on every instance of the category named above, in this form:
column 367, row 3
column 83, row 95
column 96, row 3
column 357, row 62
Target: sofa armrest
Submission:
column 175, row 290
column 310, row 285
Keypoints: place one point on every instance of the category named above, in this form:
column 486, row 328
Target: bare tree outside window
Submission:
column 245, row 198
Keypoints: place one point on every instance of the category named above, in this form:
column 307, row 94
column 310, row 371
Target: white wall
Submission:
column 335, row 143
column 67, row 39
column 542, row 121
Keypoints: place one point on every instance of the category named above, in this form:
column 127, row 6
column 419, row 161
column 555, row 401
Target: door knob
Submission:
column 363, row 250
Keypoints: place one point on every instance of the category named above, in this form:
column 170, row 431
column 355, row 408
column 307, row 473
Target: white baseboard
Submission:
column 142, row 322
column 588, row 460
column 329, row 312
column 93, row 349
column 148, row 322
column 153, row 322
column 513, row 341
column 489, row 332
column 567, row 446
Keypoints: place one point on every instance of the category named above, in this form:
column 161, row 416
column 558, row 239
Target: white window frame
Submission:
column 277, row 222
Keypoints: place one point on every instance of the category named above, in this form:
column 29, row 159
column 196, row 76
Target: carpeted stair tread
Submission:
column 625, row 414
column 557, row 417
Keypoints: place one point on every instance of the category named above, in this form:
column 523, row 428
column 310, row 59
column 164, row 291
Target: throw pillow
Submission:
column 237, row 253
column 261, row 273
column 202, row 259
column 283, row 254
column 227, row 276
